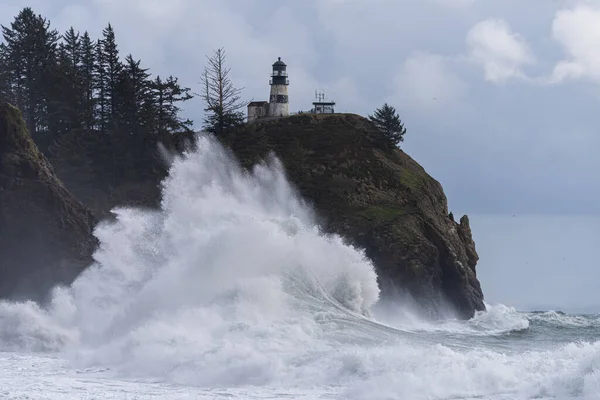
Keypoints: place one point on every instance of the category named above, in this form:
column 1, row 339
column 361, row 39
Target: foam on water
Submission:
column 231, row 285
column 560, row 319
column 497, row 320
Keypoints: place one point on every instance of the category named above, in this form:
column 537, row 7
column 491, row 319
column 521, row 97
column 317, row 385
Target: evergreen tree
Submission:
column 29, row 54
column 87, row 75
column 112, row 73
column 99, row 85
column 6, row 93
column 388, row 123
column 167, row 95
column 101, row 117
column 132, row 94
column 67, row 95
column 107, row 85
column 222, row 100
column 71, row 46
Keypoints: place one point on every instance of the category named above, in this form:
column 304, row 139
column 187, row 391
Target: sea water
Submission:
column 231, row 291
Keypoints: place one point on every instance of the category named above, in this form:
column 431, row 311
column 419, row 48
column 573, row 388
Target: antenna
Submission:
column 320, row 96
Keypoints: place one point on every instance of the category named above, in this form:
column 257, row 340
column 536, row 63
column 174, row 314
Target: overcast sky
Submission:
column 501, row 99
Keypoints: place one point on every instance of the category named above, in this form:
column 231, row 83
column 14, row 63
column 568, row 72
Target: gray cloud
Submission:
column 499, row 96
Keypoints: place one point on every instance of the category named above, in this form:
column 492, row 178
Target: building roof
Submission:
column 257, row 103
column 279, row 62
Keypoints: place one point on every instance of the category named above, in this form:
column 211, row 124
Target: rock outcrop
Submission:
column 377, row 198
column 45, row 233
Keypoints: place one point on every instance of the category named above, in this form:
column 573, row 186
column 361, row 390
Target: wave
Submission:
column 564, row 320
column 231, row 283
column 497, row 320
column 231, row 267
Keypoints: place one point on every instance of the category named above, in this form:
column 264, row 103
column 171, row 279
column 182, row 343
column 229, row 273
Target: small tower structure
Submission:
column 321, row 106
column 278, row 103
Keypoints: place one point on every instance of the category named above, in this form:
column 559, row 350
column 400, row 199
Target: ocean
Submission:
column 231, row 291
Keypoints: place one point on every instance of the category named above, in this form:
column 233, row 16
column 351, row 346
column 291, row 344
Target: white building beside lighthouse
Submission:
column 278, row 105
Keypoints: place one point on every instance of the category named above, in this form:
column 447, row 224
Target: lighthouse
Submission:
column 278, row 102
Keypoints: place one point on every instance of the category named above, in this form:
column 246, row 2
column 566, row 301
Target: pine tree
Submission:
column 136, row 94
column 71, row 45
column 222, row 100
column 30, row 56
column 68, row 93
column 172, row 94
column 6, row 93
column 134, row 135
column 107, row 81
column 112, row 72
column 389, row 125
column 101, row 118
column 99, row 84
column 87, row 76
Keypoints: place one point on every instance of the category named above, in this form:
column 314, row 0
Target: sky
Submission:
column 501, row 98
column 539, row 262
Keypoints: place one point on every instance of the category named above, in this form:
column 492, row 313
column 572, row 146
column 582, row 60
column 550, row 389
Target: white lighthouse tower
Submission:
column 278, row 103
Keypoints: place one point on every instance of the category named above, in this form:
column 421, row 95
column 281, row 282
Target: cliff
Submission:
column 377, row 198
column 45, row 233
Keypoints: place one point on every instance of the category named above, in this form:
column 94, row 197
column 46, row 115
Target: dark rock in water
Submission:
column 377, row 198
column 45, row 233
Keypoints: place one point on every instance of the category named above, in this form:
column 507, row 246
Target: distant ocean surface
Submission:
column 231, row 292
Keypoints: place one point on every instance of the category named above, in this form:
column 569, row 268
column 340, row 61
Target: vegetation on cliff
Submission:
column 45, row 233
column 388, row 122
column 223, row 101
column 95, row 115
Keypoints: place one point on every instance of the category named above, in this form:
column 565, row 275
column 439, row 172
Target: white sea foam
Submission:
column 497, row 320
column 560, row 319
column 231, row 290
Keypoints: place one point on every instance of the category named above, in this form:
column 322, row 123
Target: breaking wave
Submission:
column 232, row 284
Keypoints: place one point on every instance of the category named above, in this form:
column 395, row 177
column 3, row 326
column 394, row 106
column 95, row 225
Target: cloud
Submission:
column 175, row 39
column 425, row 81
column 500, row 52
column 577, row 30
column 455, row 3
column 495, row 148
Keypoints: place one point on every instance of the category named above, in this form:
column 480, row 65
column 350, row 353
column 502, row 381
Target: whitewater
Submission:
column 231, row 291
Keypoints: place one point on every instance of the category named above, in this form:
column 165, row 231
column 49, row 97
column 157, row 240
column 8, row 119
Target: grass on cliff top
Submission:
column 24, row 155
column 339, row 161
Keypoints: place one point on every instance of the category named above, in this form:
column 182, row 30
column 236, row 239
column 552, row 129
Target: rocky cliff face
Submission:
column 45, row 233
column 380, row 200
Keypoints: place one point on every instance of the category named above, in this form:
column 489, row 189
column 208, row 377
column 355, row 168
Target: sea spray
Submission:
column 229, row 273
column 231, row 290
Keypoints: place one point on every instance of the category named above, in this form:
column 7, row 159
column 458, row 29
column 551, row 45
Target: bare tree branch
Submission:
column 222, row 100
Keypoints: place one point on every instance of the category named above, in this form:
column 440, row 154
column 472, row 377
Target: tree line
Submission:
column 83, row 104
column 101, row 116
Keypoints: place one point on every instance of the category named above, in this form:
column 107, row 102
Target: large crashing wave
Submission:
column 232, row 258
column 232, row 284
